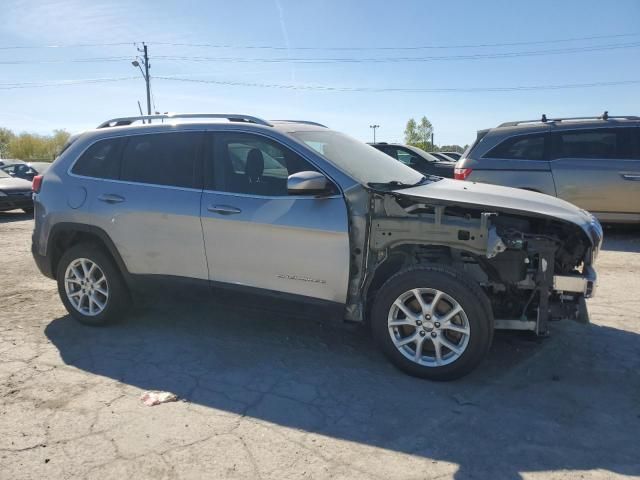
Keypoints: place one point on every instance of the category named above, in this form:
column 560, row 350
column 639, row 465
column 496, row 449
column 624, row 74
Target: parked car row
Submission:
column 426, row 163
column 15, row 193
column 25, row 170
column 294, row 209
column 15, row 183
column 593, row 163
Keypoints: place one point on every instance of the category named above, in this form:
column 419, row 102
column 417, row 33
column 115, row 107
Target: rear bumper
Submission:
column 584, row 284
column 43, row 262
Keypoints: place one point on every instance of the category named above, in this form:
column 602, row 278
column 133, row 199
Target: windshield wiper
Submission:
column 398, row 184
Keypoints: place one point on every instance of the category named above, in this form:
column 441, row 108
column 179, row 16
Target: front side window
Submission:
column 606, row 143
column 100, row 160
column 254, row 165
column 163, row 159
column 529, row 147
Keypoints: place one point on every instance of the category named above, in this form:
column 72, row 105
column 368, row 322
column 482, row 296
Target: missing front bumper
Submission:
column 584, row 284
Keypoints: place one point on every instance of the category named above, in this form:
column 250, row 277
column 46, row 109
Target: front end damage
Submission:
column 534, row 268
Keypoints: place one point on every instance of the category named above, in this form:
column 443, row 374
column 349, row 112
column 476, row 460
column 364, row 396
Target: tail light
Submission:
column 462, row 173
column 36, row 184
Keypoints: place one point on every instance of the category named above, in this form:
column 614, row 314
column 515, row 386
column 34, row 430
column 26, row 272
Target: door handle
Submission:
column 224, row 209
column 111, row 198
column 631, row 176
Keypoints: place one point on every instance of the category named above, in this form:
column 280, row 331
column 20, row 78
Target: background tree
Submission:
column 419, row 134
column 6, row 136
column 452, row 148
column 411, row 132
column 30, row 146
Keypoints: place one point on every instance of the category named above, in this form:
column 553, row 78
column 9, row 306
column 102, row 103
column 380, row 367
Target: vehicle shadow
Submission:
column 15, row 216
column 569, row 402
column 622, row 238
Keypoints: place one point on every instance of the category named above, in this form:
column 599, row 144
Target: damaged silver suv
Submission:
column 291, row 207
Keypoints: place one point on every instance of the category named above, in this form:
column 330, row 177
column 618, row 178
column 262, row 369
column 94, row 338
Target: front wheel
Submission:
column 90, row 285
column 432, row 322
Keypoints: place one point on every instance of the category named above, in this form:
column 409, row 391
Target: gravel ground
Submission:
column 274, row 393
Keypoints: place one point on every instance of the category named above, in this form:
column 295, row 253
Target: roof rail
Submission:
column 305, row 122
column 232, row 117
column 605, row 116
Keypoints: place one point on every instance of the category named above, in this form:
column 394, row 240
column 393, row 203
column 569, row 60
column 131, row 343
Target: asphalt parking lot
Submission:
column 268, row 392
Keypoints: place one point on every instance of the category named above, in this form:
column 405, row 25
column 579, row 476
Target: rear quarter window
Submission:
column 603, row 143
column 100, row 160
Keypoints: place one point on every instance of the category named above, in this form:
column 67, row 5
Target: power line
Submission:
column 71, row 60
column 403, row 90
column 77, row 45
column 320, row 48
column 62, row 83
column 478, row 56
column 421, row 47
column 302, row 60
column 328, row 88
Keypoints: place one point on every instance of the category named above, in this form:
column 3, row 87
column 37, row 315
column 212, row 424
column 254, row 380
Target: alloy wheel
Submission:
column 429, row 327
column 86, row 286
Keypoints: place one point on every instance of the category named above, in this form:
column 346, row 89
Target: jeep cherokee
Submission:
column 294, row 208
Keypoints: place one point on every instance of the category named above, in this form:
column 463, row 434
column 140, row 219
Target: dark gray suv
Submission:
column 298, row 210
column 591, row 162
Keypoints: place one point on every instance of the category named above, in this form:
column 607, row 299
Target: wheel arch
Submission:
column 67, row 234
column 404, row 255
column 397, row 258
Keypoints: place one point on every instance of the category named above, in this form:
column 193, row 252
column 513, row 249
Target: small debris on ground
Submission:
column 154, row 397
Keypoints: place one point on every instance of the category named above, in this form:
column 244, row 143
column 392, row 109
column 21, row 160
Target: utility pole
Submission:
column 433, row 145
column 147, row 79
column 374, row 127
column 145, row 72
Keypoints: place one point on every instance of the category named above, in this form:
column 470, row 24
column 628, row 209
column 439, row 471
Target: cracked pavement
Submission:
column 275, row 391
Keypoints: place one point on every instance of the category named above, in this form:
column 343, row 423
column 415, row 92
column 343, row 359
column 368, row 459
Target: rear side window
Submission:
column 163, row 159
column 100, row 160
column 606, row 143
column 528, row 147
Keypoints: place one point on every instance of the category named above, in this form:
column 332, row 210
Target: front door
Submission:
column 258, row 235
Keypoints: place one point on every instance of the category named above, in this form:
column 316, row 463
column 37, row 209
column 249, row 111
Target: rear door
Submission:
column 520, row 161
column 598, row 169
column 258, row 235
column 144, row 191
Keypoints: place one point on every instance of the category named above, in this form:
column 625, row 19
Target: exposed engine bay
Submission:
column 533, row 268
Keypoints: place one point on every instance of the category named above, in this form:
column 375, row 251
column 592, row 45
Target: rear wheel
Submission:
column 432, row 322
column 90, row 285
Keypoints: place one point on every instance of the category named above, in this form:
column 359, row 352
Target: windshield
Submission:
column 359, row 160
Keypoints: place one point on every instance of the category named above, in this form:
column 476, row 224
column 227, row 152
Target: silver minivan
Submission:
column 593, row 163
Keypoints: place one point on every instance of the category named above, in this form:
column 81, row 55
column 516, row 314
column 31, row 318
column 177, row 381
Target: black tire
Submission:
column 467, row 293
column 118, row 299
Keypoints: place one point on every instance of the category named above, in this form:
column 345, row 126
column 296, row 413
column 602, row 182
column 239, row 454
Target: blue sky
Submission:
column 292, row 24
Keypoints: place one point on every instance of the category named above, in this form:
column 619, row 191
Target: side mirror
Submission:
column 307, row 183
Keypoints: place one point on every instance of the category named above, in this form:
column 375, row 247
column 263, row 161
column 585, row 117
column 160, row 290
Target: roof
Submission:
column 204, row 118
column 546, row 123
